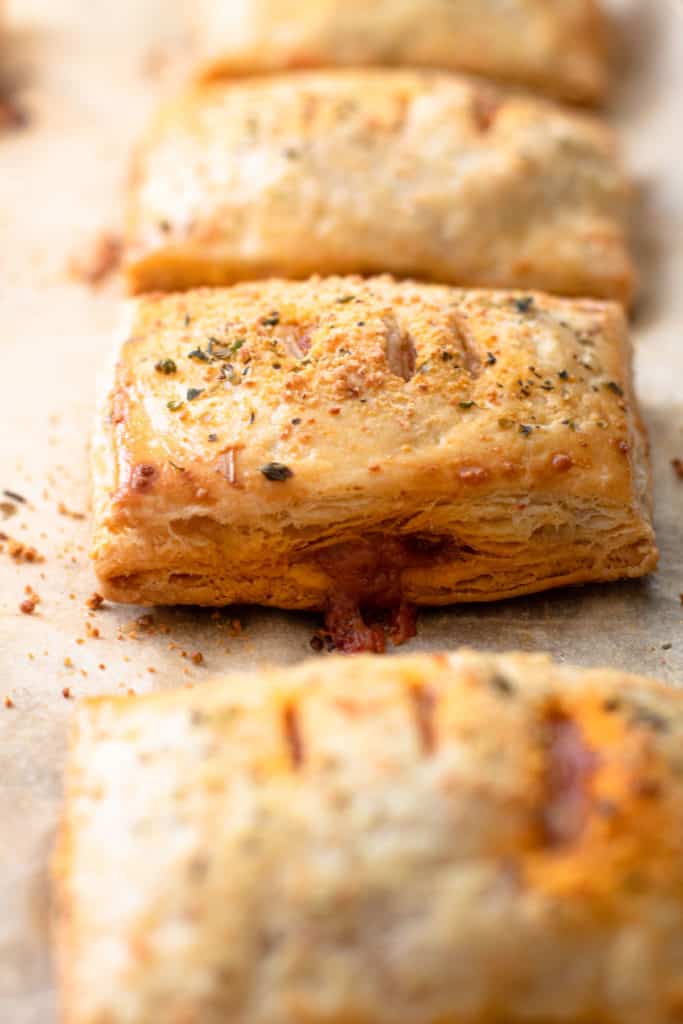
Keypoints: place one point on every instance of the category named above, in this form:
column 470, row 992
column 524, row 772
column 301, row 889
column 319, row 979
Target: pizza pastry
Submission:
column 557, row 46
column 343, row 442
column 417, row 174
column 455, row 837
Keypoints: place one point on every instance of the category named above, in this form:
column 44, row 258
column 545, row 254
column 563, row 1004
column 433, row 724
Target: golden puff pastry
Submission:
column 454, row 837
column 557, row 46
column 291, row 443
column 424, row 175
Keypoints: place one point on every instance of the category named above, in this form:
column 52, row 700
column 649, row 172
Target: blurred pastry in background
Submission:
column 418, row 174
column 556, row 46
column 449, row 837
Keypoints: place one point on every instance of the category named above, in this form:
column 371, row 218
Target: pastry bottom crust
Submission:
column 304, row 586
column 181, row 269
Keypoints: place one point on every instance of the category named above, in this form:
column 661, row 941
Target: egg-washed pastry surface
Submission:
column 557, row 46
column 425, row 175
column 293, row 443
column 454, row 837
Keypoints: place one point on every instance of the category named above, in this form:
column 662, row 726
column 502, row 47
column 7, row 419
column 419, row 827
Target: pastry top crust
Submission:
column 404, row 839
column 366, row 171
column 275, row 402
column 555, row 45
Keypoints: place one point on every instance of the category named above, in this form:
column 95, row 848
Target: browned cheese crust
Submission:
column 449, row 838
column 557, row 46
column 417, row 174
column 280, row 442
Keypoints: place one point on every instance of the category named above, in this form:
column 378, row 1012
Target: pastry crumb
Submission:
column 20, row 551
column 677, row 465
column 29, row 604
column 95, row 601
column 69, row 512
column 66, row 692
column 99, row 259
column 197, row 658
column 155, row 62
column 12, row 116
column 15, row 496
column 9, row 703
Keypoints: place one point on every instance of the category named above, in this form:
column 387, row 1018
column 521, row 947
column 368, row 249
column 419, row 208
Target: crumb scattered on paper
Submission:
column 98, row 260
column 12, row 115
column 71, row 513
column 18, row 550
column 154, row 62
column 15, row 496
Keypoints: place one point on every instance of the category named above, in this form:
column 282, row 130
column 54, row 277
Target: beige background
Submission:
column 88, row 72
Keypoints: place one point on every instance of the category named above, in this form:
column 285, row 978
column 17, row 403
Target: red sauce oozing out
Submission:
column 349, row 631
column 368, row 575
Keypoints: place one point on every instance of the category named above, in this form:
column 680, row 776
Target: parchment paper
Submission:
column 88, row 72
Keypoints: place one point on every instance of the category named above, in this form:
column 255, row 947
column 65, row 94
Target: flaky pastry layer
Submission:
column 457, row 837
column 280, row 442
column 367, row 171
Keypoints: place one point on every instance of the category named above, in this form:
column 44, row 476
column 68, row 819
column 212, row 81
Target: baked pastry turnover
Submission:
column 424, row 175
column 307, row 444
column 554, row 45
column 454, row 837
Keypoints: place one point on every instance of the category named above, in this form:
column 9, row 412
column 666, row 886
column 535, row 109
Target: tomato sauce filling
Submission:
column 369, row 604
